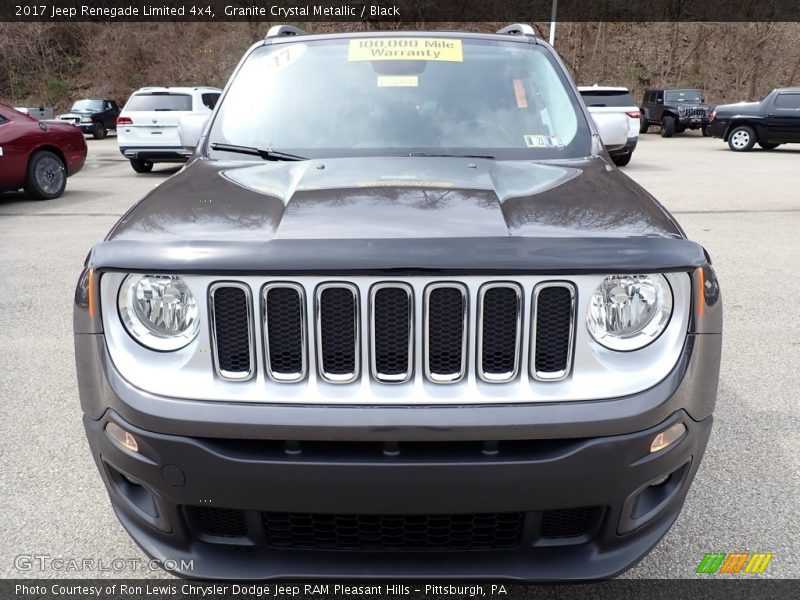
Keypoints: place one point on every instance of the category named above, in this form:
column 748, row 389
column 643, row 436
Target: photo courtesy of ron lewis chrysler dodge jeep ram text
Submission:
column 399, row 316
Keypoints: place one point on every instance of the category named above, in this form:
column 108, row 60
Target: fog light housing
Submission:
column 666, row 438
column 122, row 437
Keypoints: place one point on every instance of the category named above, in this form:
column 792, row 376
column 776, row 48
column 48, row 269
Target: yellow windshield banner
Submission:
column 418, row 48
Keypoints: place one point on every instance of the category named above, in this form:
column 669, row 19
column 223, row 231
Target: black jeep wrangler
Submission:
column 675, row 110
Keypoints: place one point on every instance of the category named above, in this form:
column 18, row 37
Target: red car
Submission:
column 38, row 155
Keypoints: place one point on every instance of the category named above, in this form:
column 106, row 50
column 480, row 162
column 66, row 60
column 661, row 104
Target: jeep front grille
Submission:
column 335, row 338
column 696, row 112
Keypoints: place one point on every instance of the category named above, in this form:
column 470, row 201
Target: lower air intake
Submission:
column 393, row 532
column 218, row 522
column 567, row 522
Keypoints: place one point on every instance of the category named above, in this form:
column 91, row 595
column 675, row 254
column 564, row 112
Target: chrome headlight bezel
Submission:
column 145, row 333
column 648, row 331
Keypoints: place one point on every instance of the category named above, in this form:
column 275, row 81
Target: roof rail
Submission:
column 518, row 29
column 282, row 30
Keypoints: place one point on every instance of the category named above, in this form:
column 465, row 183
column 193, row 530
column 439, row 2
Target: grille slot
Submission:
column 391, row 322
column 218, row 522
column 231, row 313
column 553, row 327
column 445, row 332
column 285, row 332
column 393, row 532
column 567, row 522
column 337, row 332
column 499, row 330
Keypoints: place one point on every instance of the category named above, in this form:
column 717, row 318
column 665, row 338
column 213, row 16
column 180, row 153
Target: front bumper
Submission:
column 599, row 486
column 584, row 466
column 691, row 122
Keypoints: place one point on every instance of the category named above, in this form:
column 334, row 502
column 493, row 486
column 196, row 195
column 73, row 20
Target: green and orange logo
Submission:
column 736, row 562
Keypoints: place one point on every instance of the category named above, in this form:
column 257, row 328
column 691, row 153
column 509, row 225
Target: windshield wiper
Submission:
column 489, row 156
column 266, row 154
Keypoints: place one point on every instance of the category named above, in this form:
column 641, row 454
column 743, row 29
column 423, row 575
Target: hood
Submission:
column 693, row 105
column 76, row 113
column 402, row 198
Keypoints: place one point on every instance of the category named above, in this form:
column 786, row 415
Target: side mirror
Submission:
column 190, row 128
column 613, row 129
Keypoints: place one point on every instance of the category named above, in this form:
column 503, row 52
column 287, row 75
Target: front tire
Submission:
column 623, row 159
column 141, row 166
column 667, row 126
column 705, row 131
column 47, row 176
column 100, row 131
column 644, row 124
column 768, row 145
column 742, row 139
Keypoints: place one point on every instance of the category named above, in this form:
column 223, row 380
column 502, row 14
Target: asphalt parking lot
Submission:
column 743, row 207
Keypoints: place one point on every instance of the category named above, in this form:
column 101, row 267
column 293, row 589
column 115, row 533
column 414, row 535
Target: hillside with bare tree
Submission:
column 56, row 63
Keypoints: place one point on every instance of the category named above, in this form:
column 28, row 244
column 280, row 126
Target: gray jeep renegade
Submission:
column 399, row 316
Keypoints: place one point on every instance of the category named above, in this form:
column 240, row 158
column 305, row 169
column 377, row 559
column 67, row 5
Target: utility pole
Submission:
column 553, row 23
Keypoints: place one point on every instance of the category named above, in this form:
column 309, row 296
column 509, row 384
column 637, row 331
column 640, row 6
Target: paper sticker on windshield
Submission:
column 543, row 141
column 398, row 81
column 286, row 57
column 519, row 93
column 419, row 48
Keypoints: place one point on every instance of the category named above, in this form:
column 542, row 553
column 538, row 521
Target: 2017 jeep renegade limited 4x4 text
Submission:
column 399, row 316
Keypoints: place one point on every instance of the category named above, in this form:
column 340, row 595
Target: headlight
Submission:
column 627, row 312
column 86, row 119
column 159, row 311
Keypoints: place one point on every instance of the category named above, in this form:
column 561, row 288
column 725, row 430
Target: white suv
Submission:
column 606, row 99
column 147, row 127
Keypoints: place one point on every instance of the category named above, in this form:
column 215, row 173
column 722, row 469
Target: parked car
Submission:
column 147, row 127
column 96, row 117
column 770, row 122
column 398, row 317
column 605, row 99
column 674, row 110
column 37, row 155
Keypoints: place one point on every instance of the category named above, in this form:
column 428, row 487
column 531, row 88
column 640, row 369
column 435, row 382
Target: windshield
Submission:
column 402, row 95
column 683, row 96
column 88, row 105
